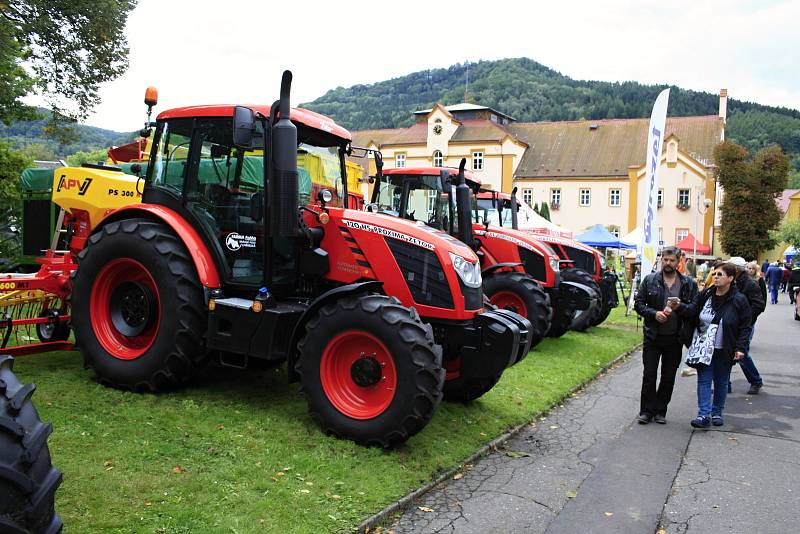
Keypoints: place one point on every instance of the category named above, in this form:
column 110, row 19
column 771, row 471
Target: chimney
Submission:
column 723, row 110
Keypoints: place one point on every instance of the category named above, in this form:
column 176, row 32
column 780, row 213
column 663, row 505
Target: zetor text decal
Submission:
column 388, row 233
column 518, row 242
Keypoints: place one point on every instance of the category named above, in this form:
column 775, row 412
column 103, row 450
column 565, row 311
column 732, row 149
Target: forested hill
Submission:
column 529, row 91
column 23, row 134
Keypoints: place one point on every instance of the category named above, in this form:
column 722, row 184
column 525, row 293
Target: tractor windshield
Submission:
column 415, row 197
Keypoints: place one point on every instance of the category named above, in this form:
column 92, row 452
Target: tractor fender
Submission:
column 333, row 294
column 203, row 261
column 497, row 266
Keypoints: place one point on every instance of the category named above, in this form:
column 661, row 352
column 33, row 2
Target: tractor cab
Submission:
column 198, row 170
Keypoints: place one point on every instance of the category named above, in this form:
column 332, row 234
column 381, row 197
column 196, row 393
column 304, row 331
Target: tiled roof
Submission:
column 480, row 130
column 783, row 200
column 605, row 147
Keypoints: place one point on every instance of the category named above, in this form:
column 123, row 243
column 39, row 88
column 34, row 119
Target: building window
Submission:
column 660, row 235
column 683, row 198
column 477, row 161
column 527, row 197
column 680, row 234
column 555, row 198
column 660, row 198
column 614, row 197
column 585, row 197
column 438, row 160
column 400, row 160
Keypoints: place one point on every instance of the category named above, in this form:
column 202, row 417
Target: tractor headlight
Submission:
column 470, row 273
column 554, row 264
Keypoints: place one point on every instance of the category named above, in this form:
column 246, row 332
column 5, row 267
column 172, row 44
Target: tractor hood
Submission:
column 518, row 237
column 416, row 233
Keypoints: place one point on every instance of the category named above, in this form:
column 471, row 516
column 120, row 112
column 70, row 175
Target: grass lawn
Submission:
column 237, row 452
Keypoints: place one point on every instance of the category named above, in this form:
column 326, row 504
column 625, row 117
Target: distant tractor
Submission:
column 520, row 273
column 226, row 248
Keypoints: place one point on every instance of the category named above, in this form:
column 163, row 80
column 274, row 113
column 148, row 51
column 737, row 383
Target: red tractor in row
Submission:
column 238, row 253
column 580, row 263
column 520, row 273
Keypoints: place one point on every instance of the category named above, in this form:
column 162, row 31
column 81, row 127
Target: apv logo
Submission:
column 236, row 241
column 66, row 184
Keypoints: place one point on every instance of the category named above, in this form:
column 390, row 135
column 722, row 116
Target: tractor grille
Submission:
column 473, row 296
column 582, row 259
column 534, row 264
column 423, row 274
column 35, row 227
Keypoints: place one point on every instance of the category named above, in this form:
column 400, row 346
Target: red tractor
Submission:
column 241, row 251
column 580, row 263
column 520, row 273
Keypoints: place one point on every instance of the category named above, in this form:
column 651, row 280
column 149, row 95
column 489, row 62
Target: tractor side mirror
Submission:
column 244, row 124
column 257, row 206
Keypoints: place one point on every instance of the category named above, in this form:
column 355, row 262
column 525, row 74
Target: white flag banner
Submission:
column 655, row 140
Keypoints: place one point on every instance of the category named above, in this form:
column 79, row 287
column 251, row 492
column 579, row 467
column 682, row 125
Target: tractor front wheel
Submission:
column 583, row 319
column 522, row 294
column 138, row 310
column 370, row 370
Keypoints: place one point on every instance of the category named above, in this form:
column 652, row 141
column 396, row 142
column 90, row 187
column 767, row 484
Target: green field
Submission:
column 237, row 452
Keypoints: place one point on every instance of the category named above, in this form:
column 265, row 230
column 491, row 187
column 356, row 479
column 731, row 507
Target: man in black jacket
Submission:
column 752, row 291
column 664, row 333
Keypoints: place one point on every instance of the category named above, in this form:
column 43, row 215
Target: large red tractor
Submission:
column 580, row 263
column 246, row 254
column 520, row 273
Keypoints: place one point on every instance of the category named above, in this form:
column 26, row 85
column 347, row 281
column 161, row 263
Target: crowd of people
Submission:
column 711, row 310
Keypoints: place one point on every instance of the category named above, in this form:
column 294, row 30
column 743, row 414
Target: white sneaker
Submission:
column 688, row 371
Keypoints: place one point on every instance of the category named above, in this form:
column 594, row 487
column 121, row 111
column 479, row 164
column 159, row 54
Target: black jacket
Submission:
column 734, row 315
column 749, row 288
column 650, row 299
column 794, row 277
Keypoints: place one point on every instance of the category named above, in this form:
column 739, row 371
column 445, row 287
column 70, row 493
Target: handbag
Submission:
column 702, row 348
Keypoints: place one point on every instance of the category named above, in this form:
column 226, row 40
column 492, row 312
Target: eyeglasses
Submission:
column 720, row 274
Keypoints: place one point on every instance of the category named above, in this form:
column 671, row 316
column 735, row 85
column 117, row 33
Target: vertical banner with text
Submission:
column 655, row 140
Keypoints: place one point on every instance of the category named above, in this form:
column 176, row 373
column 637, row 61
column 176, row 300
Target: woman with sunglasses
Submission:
column 724, row 306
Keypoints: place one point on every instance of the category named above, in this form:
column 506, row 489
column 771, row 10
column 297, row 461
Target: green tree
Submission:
column 751, row 185
column 536, row 208
column 61, row 49
column 11, row 165
column 788, row 232
column 91, row 156
column 544, row 211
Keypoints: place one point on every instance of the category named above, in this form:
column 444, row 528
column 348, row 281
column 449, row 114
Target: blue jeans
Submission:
column 749, row 367
column 719, row 372
column 773, row 293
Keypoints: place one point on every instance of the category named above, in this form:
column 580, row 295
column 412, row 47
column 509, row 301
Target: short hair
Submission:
column 671, row 251
column 728, row 268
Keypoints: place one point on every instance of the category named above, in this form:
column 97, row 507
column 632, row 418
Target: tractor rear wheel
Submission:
column 583, row 318
column 522, row 294
column 370, row 370
column 28, row 481
column 140, row 318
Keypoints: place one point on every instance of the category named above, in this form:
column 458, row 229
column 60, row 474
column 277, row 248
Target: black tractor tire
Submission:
column 468, row 389
column 147, row 335
column 562, row 319
column 603, row 312
column 28, row 481
column 529, row 293
column 47, row 332
column 394, row 346
column 583, row 318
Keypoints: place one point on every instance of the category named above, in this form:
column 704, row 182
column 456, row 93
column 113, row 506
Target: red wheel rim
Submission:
column 509, row 301
column 124, row 300
column 452, row 368
column 342, row 358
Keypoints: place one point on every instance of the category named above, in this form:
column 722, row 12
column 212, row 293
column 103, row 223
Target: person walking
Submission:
column 786, row 273
column 794, row 280
column 723, row 329
column 765, row 266
column 663, row 331
column 758, row 303
column 774, row 275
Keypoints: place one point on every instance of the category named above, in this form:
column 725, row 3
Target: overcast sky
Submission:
column 203, row 52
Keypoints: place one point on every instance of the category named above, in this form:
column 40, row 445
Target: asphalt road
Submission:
column 588, row 467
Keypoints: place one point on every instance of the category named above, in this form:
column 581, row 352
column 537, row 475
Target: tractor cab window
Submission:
column 416, row 198
column 493, row 213
column 171, row 154
column 318, row 168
